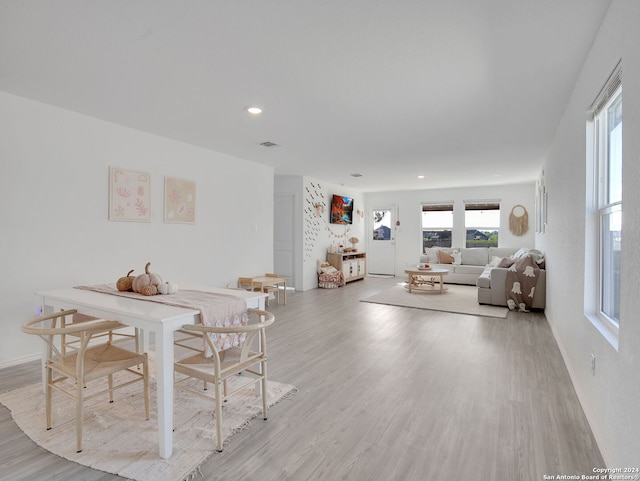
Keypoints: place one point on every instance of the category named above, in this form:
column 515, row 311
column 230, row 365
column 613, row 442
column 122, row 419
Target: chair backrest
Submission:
column 262, row 320
column 48, row 326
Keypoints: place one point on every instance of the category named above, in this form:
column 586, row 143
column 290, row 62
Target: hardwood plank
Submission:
column 385, row 393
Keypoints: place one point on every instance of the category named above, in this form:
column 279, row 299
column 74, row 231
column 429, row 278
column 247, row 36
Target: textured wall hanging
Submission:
column 518, row 220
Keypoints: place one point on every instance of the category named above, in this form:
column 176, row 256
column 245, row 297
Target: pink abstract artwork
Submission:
column 129, row 195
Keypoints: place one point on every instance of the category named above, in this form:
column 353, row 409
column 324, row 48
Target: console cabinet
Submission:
column 352, row 264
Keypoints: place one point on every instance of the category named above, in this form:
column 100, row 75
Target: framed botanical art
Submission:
column 129, row 195
column 179, row 201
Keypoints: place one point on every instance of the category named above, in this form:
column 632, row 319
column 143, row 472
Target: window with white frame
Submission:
column 437, row 224
column 607, row 193
column 482, row 223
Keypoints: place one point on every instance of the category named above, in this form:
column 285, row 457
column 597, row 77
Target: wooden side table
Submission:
column 263, row 284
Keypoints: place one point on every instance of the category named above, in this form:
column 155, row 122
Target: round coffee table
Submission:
column 426, row 280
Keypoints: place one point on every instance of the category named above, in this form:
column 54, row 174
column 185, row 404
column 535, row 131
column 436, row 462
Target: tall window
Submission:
column 437, row 224
column 482, row 222
column 608, row 166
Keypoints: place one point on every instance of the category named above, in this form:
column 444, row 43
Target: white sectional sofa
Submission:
column 472, row 262
column 476, row 266
column 492, row 288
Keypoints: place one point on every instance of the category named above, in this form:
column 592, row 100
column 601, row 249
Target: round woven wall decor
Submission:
column 518, row 220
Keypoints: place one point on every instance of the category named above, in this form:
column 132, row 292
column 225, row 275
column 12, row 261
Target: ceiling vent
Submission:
column 269, row 144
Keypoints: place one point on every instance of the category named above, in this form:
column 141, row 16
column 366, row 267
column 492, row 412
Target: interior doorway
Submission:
column 283, row 237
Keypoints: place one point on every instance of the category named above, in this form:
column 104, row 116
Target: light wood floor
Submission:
column 384, row 393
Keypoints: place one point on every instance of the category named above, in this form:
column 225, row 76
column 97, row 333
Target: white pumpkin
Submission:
column 168, row 288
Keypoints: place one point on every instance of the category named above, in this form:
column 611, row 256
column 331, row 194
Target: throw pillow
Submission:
column 444, row 258
column 457, row 257
column 520, row 252
column 506, row 262
column 538, row 257
column 432, row 255
column 495, row 260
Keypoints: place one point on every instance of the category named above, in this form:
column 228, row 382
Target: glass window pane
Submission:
column 483, row 227
column 614, row 171
column 436, row 238
column 482, row 218
column 382, row 225
column 440, row 219
column 482, row 238
column 611, row 240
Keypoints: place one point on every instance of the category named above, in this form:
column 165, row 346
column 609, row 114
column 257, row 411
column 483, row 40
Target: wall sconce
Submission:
column 360, row 213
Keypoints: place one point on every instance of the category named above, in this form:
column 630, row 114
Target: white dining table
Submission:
column 158, row 319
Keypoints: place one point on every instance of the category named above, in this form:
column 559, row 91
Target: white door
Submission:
column 283, row 241
column 381, row 251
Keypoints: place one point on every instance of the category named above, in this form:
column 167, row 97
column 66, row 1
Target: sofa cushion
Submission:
column 495, row 260
column 474, row 270
column 475, row 256
column 501, row 251
column 448, row 267
column 444, row 257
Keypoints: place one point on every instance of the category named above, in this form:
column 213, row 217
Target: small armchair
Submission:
column 85, row 363
column 248, row 355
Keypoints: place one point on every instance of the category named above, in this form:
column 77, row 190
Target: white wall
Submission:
column 409, row 203
column 314, row 232
column 611, row 397
column 54, row 177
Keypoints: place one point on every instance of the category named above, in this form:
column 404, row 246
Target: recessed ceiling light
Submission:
column 421, row 177
column 356, row 175
column 254, row 110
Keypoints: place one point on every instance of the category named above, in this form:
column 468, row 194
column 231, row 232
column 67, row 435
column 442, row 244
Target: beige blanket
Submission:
column 221, row 310
column 522, row 278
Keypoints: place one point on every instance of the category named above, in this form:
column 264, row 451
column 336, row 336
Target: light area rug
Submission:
column 458, row 299
column 117, row 438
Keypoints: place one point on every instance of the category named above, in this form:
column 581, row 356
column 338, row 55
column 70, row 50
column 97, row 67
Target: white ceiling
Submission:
column 465, row 92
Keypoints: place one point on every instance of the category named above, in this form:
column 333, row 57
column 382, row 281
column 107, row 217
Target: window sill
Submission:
column 609, row 332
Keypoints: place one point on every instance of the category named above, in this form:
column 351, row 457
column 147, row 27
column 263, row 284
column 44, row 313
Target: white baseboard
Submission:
column 21, row 360
column 587, row 407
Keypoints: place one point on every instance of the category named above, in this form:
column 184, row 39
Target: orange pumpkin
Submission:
column 126, row 283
